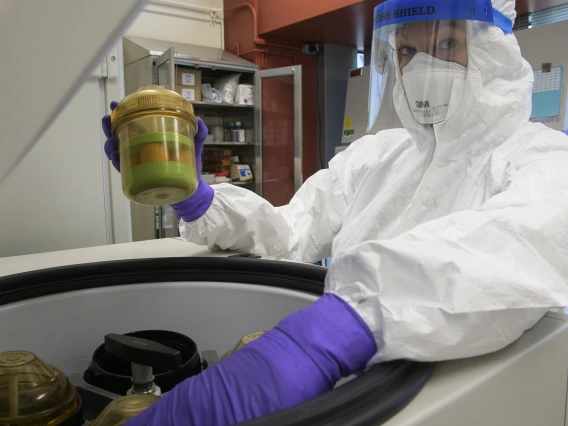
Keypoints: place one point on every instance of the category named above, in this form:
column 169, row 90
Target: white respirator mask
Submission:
column 428, row 83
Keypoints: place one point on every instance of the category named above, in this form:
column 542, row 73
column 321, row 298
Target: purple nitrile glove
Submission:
column 191, row 208
column 111, row 144
column 194, row 207
column 298, row 360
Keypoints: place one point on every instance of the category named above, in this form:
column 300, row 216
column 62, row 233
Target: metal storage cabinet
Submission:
column 275, row 154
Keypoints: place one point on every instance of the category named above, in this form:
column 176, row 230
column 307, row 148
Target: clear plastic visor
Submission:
column 423, row 46
column 428, row 56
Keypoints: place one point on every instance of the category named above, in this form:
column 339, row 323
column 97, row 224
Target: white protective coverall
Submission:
column 449, row 240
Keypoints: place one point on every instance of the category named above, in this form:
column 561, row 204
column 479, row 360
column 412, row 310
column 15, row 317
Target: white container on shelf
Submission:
column 208, row 178
column 244, row 94
column 218, row 133
column 222, row 179
column 240, row 134
column 249, row 135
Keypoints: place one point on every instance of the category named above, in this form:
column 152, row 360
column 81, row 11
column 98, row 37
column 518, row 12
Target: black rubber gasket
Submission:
column 370, row 399
column 46, row 282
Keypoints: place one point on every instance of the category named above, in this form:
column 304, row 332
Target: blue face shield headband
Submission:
column 393, row 12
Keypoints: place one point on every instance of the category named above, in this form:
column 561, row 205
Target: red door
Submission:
column 279, row 108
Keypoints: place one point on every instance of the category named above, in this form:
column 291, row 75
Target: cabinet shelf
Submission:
column 216, row 105
column 243, row 144
column 238, row 183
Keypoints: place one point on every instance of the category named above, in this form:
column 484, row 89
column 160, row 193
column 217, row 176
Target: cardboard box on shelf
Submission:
column 216, row 169
column 188, row 83
column 218, row 152
column 191, row 94
column 241, row 172
column 217, row 157
column 187, row 76
column 217, row 162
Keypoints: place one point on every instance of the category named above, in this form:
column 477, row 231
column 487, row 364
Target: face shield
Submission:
column 425, row 43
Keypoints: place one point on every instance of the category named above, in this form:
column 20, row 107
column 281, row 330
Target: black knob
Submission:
column 143, row 351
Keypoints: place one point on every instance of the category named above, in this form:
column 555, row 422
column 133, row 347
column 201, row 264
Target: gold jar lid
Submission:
column 33, row 392
column 151, row 100
column 122, row 409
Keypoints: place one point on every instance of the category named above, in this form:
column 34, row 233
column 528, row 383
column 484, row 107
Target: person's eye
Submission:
column 406, row 51
column 448, row 44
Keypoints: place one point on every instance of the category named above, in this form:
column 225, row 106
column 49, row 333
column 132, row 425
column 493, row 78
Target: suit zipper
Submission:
column 428, row 161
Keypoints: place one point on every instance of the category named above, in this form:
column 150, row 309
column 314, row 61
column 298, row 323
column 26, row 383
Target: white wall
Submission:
column 119, row 205
column 63, row 194
column 548, row 43
column 183, row 21
column 54, row 200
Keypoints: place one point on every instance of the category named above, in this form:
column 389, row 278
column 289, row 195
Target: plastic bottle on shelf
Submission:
column 240, row 133
column 218, row 133
column 249, row 135
column 234, row 132
column 226, row 133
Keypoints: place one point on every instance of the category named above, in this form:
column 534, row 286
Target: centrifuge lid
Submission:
column 29, row 39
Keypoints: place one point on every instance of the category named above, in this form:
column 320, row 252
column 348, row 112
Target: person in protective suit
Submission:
column 449, row 236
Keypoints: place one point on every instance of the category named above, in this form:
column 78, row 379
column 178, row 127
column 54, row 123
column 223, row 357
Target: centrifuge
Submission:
column 63, row 306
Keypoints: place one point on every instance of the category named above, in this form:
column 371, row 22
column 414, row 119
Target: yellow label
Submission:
column 348, row 123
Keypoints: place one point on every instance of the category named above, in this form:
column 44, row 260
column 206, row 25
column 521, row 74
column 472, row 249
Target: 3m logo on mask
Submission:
column 422, row 104
column 403, row 13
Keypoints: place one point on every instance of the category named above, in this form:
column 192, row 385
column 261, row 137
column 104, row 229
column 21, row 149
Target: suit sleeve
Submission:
column 303, row 230
column 472, row 282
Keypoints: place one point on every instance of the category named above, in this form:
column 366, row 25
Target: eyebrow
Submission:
column 454, row 24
